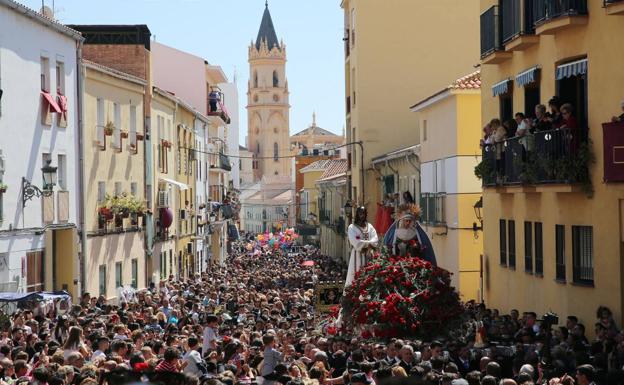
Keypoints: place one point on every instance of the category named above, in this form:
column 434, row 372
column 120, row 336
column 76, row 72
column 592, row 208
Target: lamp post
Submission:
column 477, row 209
column 30, row 191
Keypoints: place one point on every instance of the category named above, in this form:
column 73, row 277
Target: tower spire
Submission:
column 313, row 118
column 267, row 30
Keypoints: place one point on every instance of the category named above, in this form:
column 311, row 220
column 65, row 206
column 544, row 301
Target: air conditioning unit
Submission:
column 163, row 199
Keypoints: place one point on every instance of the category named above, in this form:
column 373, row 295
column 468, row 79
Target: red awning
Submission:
column 51, row 102
column 307, row 263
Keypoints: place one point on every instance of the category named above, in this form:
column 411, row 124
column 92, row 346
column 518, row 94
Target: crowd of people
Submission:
column 253, row 321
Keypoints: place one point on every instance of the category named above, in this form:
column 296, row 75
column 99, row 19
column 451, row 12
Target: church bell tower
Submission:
column 267, row 102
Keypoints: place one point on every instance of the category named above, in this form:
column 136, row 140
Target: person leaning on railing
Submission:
column 569, row 121
column 541, row 122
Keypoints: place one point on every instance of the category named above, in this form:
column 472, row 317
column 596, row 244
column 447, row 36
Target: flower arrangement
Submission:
column 402, row 296
column 108, row 128
column 3, row 188
column 122, row 206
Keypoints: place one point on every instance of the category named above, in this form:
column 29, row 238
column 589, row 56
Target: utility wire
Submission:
column 260, row 157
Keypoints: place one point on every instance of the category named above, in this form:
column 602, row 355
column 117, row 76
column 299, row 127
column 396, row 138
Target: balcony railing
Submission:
column 491, row 32
column 553, row 156
column 517, row 18
column 544, row 10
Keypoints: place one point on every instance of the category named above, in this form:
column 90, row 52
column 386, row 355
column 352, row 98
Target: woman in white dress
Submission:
column 363, row 239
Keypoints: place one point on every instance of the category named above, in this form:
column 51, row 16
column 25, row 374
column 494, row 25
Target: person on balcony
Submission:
column 499, row 134
column 569, row 121
column 487, row 135
column 620, row 118
column 523, row 131
column 511, row 127
column 541, row 122
column 555, row 116
column 214, row 97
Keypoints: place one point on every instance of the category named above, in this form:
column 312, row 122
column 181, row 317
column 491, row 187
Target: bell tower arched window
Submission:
column 255, row 79
column 275, row 79
column 258, row 148
column 275, row 152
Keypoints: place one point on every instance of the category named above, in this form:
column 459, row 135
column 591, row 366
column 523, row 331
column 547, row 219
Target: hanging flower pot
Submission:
column 140, row 136
column 124, row 134
column 108, row 129
column 3, row 188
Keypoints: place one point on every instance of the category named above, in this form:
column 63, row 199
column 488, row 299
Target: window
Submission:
column 255, row 79
column 582, row 254
column 61, row 173
column 353, row 27
column 531, row 99
column 117, row 188
column 100, row 113
column 45, row 74
column 511, row 227
column 424, row 130
column 353, row 87
column 539, row 250
column 34, row 271
column 102, row 285
column 275, row 152
column 118, row 275
column 133, row 127
column 60, row 78
column 275, row 79
column 45, row 158
column 503, row 242
column 560, row 253
column 528, row 247
column 133, row 188
column 506, row 106
column 117, row 123
column 573, row 90
column 135, row 273
column 101, row 191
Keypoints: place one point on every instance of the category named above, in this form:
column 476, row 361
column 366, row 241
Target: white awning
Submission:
column 180, row 185
column 501, row 88
column 574, row 68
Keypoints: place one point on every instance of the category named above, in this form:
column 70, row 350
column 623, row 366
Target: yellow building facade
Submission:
column 167, row 189
column 392, row 60
column 550, row 244
column 114, row 171
column 450, row 128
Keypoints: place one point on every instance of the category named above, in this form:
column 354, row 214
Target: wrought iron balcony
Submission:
column 544, row 10
column 490, row 32
column 517, row 19
column 559, row 156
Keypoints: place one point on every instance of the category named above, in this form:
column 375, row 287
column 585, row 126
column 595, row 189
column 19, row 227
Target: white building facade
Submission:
column 39, row 110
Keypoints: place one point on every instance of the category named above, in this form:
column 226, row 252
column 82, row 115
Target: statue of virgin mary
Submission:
column 406, row 237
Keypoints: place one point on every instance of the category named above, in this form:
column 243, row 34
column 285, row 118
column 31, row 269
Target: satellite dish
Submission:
column 47, row 12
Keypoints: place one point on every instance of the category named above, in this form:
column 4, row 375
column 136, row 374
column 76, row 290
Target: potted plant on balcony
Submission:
column 3, row 188
column 166, row 143
column 124, row 134
column 109, row 128
column 140, row 136
column 105, row 213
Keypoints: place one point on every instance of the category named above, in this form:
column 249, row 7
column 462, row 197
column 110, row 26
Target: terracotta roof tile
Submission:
column 468, row 82
column 335, row 168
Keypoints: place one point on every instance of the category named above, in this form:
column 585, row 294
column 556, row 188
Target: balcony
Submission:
column 432, row 207
column 552, row 16
column 555, row 160
column 221, row 164
column 216, row 107
column 492, row 50
column 614, row 7
column 517, row 24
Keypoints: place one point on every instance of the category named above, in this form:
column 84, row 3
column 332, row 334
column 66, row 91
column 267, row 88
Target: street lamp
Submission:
column 49, row 180
column 477, row 209
column 348, row 207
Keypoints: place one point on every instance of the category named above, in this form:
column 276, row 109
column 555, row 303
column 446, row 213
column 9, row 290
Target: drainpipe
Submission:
column 81, row 73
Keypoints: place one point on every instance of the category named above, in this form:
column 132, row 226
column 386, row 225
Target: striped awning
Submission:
column 501, row 87
column 574, row 68
column 527, row 77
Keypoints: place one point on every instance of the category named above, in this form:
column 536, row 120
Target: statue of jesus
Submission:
column 363, row 239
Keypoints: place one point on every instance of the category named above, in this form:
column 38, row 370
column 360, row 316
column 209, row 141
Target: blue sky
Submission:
column 220, row 31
